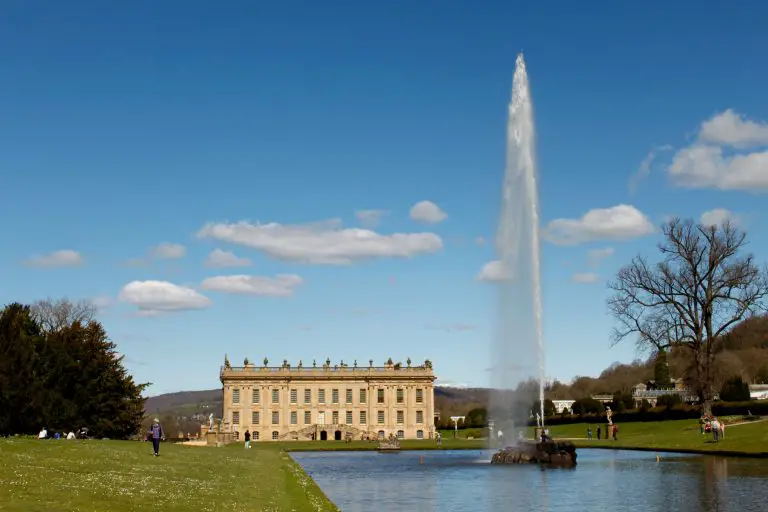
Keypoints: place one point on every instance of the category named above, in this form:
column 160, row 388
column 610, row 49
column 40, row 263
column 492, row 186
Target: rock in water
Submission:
column 554, row 453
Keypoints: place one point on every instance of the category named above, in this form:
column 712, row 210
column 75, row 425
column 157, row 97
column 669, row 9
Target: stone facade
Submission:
column 328, row 402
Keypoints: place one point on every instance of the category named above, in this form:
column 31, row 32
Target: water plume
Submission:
column 517, row 366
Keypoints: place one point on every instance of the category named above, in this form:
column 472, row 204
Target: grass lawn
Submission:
column 678, row 435
column 114, row 476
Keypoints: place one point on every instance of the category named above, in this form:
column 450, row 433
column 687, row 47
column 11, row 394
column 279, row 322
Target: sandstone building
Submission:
column 328, row 402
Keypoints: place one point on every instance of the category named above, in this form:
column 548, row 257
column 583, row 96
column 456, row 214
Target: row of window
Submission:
column 256, row 417
column 276, row 435
column 256, row 396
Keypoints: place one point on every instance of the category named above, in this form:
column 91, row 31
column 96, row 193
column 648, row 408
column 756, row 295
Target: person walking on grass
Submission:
column 589, row 433
column 156, row 430
column 247, row 437
column 715, row 429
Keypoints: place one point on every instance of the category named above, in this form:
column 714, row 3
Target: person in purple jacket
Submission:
column 157, row 434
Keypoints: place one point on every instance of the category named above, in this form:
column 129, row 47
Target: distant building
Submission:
column 328, row 402
column 563, row 406
column 758, row 391
column 650, row 393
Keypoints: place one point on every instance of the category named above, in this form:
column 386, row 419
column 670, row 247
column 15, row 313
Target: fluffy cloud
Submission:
column 729, row 153
column 221, row 259
column 427, row 211
column 322, row 243
column 281, row 285
column 585, row 278
column 718, row 216
column 645, row 166
column 621, row 222
column 493, row 271
column 63, row 258
column 595, row 256
column 153, row 297
column 370, row 218
column 166, row 251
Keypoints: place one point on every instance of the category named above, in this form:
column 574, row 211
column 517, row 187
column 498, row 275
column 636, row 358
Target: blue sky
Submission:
column 129, row 125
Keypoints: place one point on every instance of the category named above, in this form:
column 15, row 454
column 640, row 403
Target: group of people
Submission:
column 710, row 424
column 44, row 434
column 610, row 431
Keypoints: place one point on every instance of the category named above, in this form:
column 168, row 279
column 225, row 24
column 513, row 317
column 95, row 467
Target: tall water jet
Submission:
column 518, row 355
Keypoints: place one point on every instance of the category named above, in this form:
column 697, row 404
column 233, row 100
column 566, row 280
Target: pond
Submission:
column 463, row 480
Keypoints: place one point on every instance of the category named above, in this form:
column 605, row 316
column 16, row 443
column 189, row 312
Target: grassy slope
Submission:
column 673, row 435
column 122, row 475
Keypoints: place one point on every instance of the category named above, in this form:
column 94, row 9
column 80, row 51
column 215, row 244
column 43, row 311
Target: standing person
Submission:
column 599, row 431
column 715, row 429
column 722, row 430
column 247, row 439
column 157, row 434
column 615, row 432
column 589, row 433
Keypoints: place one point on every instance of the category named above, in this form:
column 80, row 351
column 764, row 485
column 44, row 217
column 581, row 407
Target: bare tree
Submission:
column 53, row 315
column 702, row 287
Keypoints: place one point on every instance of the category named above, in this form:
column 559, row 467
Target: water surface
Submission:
column 616, row 481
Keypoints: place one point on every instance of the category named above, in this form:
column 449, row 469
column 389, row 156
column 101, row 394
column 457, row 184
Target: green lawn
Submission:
column 683, row 435
column 114, row 476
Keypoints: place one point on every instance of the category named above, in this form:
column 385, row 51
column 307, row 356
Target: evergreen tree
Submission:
column 735, row 390
column 661, row 370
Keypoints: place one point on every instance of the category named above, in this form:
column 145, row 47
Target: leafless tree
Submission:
column 700, row 289
column 53, row 315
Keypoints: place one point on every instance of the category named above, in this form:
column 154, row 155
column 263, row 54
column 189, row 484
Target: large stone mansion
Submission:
column 328, row 401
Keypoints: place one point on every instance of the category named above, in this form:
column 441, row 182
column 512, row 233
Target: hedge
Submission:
column 677, row 412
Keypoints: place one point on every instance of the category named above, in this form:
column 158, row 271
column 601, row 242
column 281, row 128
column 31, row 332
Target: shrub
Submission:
column 668, row 401
column 734, row 390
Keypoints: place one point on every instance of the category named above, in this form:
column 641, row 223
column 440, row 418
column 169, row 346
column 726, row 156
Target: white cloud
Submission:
column 621, row 222
column 584, row 278
column 63, row 258
column 718, row 216
column 101, row 302
column 595, row 256
column 719, row 157
column 731, row 129
column 154, row 297
column 644, row 170
column 370, row 218
column 221, row 259
column 281, row 285
column 480, row 240
column 450, row 384
column 167, row 251
column 493, row 271
column 427, row 211
column 323, row 243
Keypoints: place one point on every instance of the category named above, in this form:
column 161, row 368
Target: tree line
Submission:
column 60, row 370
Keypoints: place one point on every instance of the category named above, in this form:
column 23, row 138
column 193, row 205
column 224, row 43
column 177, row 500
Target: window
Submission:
column 419, row 417
column 237, row 435
column 380, row 417
column 255, row 418
column 362, row 396
column 363, row 418
column 275, row 396
column 321, row 396
column 380, row 396
column 255, row 436
column 349, row 417
column 256, row 396
column 236, row 396
column 400, row 434
column 307, row 396
column 381, row 434
column 294, row 397
column 275, row 418
column 419, row 434
column 275, row 434
column 419, row 396
column 335, row 417
column 236, row 418
column 294, row 419
column 349, row 396
column 400, row 416
column 307, row 417
column 335, row 396
column 400, row 396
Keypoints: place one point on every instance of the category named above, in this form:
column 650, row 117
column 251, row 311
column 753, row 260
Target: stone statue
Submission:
column 210, row 421
column 538, row 419
column 609, row 414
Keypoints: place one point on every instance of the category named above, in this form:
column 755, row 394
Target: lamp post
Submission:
column 456, row 420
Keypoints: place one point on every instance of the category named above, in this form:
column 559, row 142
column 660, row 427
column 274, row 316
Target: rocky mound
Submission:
column 554, row 453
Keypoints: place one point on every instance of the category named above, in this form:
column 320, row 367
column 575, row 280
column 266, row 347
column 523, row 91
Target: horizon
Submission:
column 262, row 181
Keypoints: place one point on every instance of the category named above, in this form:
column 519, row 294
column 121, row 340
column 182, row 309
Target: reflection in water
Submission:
column 619, row 481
